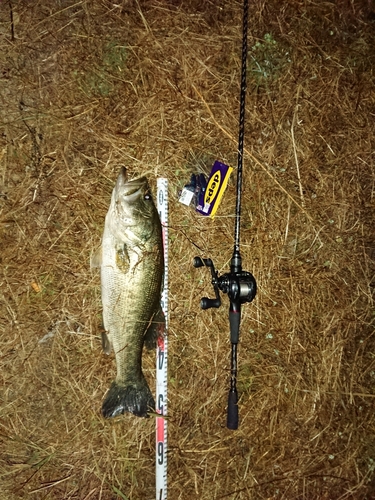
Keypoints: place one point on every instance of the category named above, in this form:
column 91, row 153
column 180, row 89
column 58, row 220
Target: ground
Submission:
column 88, row 86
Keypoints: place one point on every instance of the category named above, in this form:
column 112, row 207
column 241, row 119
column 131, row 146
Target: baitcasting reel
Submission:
column 240, row 286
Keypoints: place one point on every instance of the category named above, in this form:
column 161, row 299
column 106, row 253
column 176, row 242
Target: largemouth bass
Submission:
column 131, row 270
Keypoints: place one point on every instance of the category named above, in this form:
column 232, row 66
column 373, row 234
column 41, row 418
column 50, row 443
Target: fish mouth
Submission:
column 131, row 189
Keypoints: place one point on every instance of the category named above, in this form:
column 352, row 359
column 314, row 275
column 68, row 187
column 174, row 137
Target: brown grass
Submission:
column 88, row 86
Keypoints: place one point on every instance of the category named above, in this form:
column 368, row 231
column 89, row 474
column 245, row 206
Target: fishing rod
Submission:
column 239, row 285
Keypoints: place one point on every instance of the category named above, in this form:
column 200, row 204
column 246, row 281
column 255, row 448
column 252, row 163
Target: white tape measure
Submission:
column 162, row 356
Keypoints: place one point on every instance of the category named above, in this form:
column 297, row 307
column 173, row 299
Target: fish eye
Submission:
column 147, row 196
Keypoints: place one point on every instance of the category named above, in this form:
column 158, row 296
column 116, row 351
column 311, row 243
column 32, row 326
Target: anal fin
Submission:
column 155, row 329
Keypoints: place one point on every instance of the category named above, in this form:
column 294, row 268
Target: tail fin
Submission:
column 135, row 398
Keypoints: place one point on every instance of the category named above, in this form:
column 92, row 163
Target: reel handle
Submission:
column 207, row 303
column 199, row 262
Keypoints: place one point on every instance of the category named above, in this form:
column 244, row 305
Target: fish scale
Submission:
column 127, row 310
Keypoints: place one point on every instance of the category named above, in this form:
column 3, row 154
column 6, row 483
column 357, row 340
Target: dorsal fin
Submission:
column 96, row 258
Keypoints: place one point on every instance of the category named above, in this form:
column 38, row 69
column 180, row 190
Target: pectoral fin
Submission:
column 122, row 258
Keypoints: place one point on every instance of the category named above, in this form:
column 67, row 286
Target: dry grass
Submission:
column 87, row 86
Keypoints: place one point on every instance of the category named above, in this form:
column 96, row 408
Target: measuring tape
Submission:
column 162, row 355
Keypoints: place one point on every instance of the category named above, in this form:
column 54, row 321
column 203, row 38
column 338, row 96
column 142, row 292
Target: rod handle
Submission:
column 234, row 321
column 232, row 412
